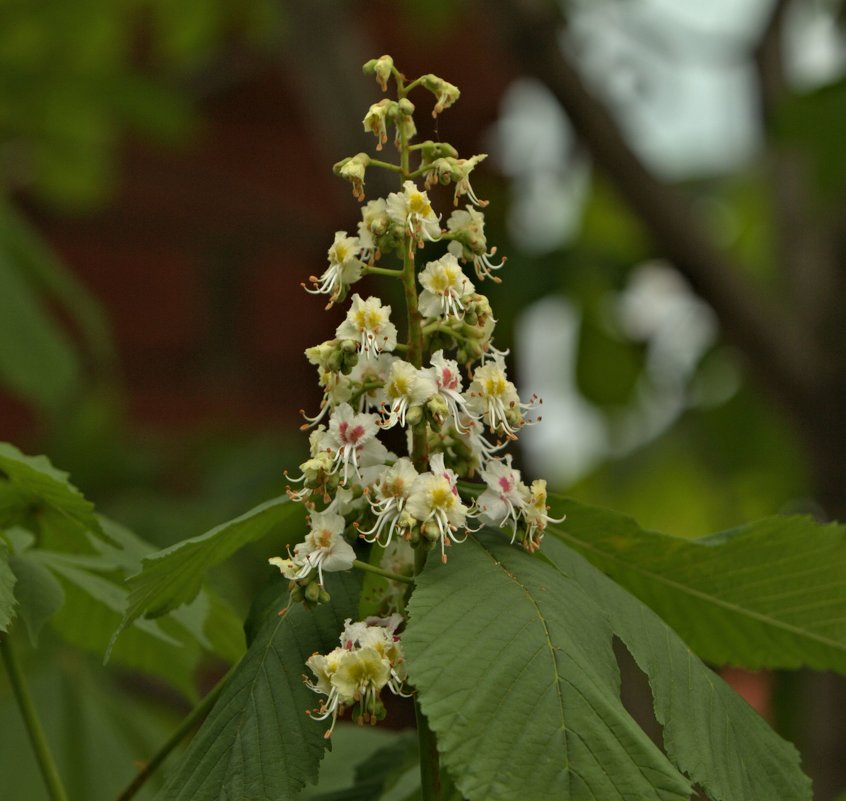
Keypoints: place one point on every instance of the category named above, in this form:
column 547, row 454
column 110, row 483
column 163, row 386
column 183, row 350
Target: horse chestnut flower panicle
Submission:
column 355, row 488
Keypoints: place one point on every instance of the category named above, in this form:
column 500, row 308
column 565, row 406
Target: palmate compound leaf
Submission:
column 174, row 576
column 34, row 478
column 710, row 732
column 516, row 675
column 258, row 743
column 771, row 594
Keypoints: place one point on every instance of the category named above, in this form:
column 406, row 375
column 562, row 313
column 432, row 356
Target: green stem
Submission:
column 430, row 772
column 386, row 165
column 414, row 84
column 46, row 763
column 379, row 571
column 184, row 729
column 368, row 270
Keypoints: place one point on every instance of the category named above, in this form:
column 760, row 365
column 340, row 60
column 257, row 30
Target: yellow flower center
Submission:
column 495, row 385
column 442, row 497
column 418, row 203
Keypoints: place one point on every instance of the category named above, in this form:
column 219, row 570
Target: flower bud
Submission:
column 381, row 68
column 445, row 93
column 353, row 169
column 312, row 592
column 437, row 408
column 429, row 151
column 376, row 120
column 414, row 415
column 431, row 532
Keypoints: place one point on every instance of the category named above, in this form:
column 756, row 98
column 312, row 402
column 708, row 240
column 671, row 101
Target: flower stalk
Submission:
column 32, row 723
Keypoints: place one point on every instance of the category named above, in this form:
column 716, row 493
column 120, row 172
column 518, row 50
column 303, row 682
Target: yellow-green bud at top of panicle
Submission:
column 446, row 94
column 353, row 169
column 381, row 68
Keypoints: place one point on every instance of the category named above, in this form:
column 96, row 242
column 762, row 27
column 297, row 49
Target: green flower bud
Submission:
column 414, row 415
column 431, row 531
column 353, row 169
column 376, row 120
column 445, row 93
column 381, row 68
column 437, row 408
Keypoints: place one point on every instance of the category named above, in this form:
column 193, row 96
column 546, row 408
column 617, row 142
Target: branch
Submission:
column 808, row 253
column 778, row 350
column 769, row 61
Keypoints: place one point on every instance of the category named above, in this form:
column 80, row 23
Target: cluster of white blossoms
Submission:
column 368, row 659
column 446, row 386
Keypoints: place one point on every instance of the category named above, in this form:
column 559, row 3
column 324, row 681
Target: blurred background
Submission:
column 667, row 182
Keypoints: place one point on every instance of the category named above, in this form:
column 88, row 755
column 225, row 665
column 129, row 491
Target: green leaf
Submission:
column 43, row 484
column 39, row 594
column 362, row 763
column 97, row 731
column 37, row 362
column 257, row 742
column 771, row 594
column 743, row 759
column 375, row 774
column 533, row 709
column 7, row 587
column 174, row 576
column 94, row 606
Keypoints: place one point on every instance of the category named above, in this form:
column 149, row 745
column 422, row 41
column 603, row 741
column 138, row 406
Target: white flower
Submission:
column 536, row 515
column 494, row 398
column 392, row 491
column 448, row 382
column 337, row 388
column 504, row 499
column 370, row 376
column 324, row 669
column 446, row 169
column 472, row 433
column 368, row 325
column 289, row 568
column 370, row 658
column 352, row 441
column 467, row 227
column 344, row 268
column 411, row 211
column 444, row 287
column 324, row 548
column 344, row 502
column 406, row 387
column 373, row 632
column 435, row 500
